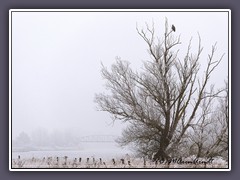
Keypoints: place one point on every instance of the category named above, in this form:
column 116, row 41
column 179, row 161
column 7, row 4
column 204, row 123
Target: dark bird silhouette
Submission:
column 173, row 28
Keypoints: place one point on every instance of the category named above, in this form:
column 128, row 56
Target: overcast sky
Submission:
column 56, row 62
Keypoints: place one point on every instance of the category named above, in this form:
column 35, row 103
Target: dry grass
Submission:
column 65, row 162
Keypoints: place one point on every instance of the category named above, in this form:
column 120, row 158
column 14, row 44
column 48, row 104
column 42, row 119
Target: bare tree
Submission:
column 210, row 133
column 163, row 101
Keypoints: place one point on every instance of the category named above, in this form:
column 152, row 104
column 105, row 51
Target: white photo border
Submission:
column 11, row 11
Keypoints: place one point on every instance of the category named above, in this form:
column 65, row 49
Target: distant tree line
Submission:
column 41, row 138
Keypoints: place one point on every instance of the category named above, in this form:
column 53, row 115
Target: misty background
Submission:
column 56, row 64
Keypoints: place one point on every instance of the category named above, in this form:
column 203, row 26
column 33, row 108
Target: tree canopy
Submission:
column 170, row 107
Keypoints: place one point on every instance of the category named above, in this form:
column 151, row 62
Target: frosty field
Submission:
column 104, row 158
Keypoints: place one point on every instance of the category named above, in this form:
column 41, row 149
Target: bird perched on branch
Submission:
column 173, row 28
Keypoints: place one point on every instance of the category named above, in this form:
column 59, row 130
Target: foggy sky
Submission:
column 56, row 62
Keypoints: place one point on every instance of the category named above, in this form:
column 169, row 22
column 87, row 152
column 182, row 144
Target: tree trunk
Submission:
column 161, row 154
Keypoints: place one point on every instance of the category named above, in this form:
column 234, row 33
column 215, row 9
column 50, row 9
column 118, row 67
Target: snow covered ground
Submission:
column 103, row 155
column 101, row 159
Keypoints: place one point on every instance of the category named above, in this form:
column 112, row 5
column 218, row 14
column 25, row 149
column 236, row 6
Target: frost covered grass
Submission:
column 126, row 162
